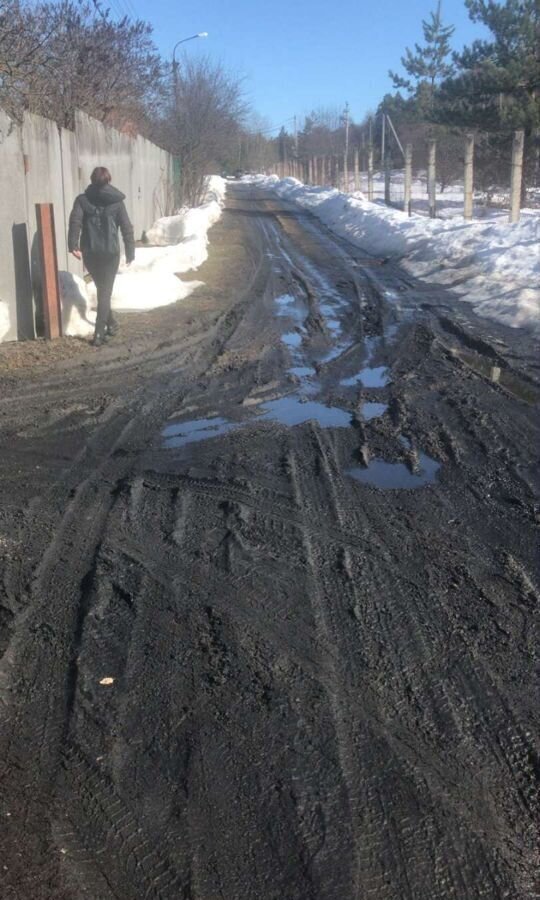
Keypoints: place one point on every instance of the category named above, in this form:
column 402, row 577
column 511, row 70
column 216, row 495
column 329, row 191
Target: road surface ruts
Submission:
column 233, row 668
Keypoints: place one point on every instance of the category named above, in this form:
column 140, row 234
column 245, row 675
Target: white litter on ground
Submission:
column 179, row 244
column 493, row 265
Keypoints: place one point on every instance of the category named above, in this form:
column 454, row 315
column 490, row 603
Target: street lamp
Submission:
column 200, row 34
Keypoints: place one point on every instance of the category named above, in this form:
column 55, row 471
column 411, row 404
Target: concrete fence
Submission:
column 40, row 163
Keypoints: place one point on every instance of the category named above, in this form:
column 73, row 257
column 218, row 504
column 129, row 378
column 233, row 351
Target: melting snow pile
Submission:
column 493, row 265
column 178, row 244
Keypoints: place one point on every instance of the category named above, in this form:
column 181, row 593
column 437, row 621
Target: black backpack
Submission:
column 100, row 231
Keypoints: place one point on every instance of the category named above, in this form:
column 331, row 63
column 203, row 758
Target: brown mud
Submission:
column 269, row 588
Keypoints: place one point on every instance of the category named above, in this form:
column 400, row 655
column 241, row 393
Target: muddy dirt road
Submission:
column 269, row 591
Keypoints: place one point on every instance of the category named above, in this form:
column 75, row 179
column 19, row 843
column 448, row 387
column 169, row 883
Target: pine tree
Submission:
column 428, row 64
column 497, row 85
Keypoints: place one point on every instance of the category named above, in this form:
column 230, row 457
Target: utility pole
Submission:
column 517, row 175
column 432, row 153
column 346, row 157
column 383, row 138
column 296, row 143
column 407, row 182
column 468, row 177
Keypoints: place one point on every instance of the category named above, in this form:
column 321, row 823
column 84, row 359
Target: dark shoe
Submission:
column 113, row 329
column 98, row 340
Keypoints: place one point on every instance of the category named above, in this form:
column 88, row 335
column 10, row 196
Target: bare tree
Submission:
column 59, row 57
column 25, row 51
column 207, row 110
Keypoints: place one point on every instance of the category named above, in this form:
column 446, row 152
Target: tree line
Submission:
column 490, row 89
column 59, row 56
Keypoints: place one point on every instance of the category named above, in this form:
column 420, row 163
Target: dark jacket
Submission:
column 101, row 196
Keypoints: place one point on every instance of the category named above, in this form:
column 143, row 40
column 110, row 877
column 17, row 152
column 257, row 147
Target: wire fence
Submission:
column 474, row 176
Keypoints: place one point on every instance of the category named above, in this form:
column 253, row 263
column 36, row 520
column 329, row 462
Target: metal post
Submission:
column 432, row 200
column 468, row 177
column 356, row 170
column 50, row 289
column 387, row 181
column 517, row 175
column 407, row 180
column 370, row 173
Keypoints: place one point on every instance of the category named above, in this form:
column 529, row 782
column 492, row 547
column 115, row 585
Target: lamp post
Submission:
column 200, row 34
column 177, row 180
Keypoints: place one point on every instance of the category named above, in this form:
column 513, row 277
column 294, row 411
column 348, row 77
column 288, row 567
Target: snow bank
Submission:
column 4, row 319
column 180, row 245
column 78, row 317
column 493, row 265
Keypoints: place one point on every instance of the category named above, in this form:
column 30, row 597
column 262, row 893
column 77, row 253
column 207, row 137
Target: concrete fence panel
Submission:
column 43, row 177
column 15, row 285
column 40, row 163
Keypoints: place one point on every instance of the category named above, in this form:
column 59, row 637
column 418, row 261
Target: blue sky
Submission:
column 301, row 54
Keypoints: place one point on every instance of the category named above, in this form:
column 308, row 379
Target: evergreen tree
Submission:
column 497, row 86
column 428, row 64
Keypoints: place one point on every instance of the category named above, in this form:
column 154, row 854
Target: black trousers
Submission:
column 103, row 269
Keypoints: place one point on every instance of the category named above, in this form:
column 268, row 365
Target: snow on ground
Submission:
column 4, row 319
column 493, row 265
column 179, row 244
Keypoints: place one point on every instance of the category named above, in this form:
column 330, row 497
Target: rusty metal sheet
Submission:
column 52, row 310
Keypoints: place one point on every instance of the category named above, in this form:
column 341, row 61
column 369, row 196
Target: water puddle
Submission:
column 180, row 434
column 373, row 410
column 369, row 377
column 292, row 339
column 293, row 410
column 391, row 476
column 285, row 300
column 288, row 307
column 302, row 371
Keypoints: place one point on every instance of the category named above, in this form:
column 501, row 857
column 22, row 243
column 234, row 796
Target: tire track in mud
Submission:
column 40, row 671
column 359, row 731
column 303, row 703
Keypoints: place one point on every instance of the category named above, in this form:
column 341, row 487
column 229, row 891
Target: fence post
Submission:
column 432, row 200
column 356, row 171
column 468, row 177
column 517, row 175
column 387, row 180
column 407, row 183
column 50, row 289
column 370, row 173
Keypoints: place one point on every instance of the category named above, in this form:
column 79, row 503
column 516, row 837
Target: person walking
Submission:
column 93, row 235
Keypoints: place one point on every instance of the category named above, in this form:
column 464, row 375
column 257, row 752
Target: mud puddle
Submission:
column 389, row 476
column 370, row 410
column 369, row 377
column 191, row 432
column 303, row 405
